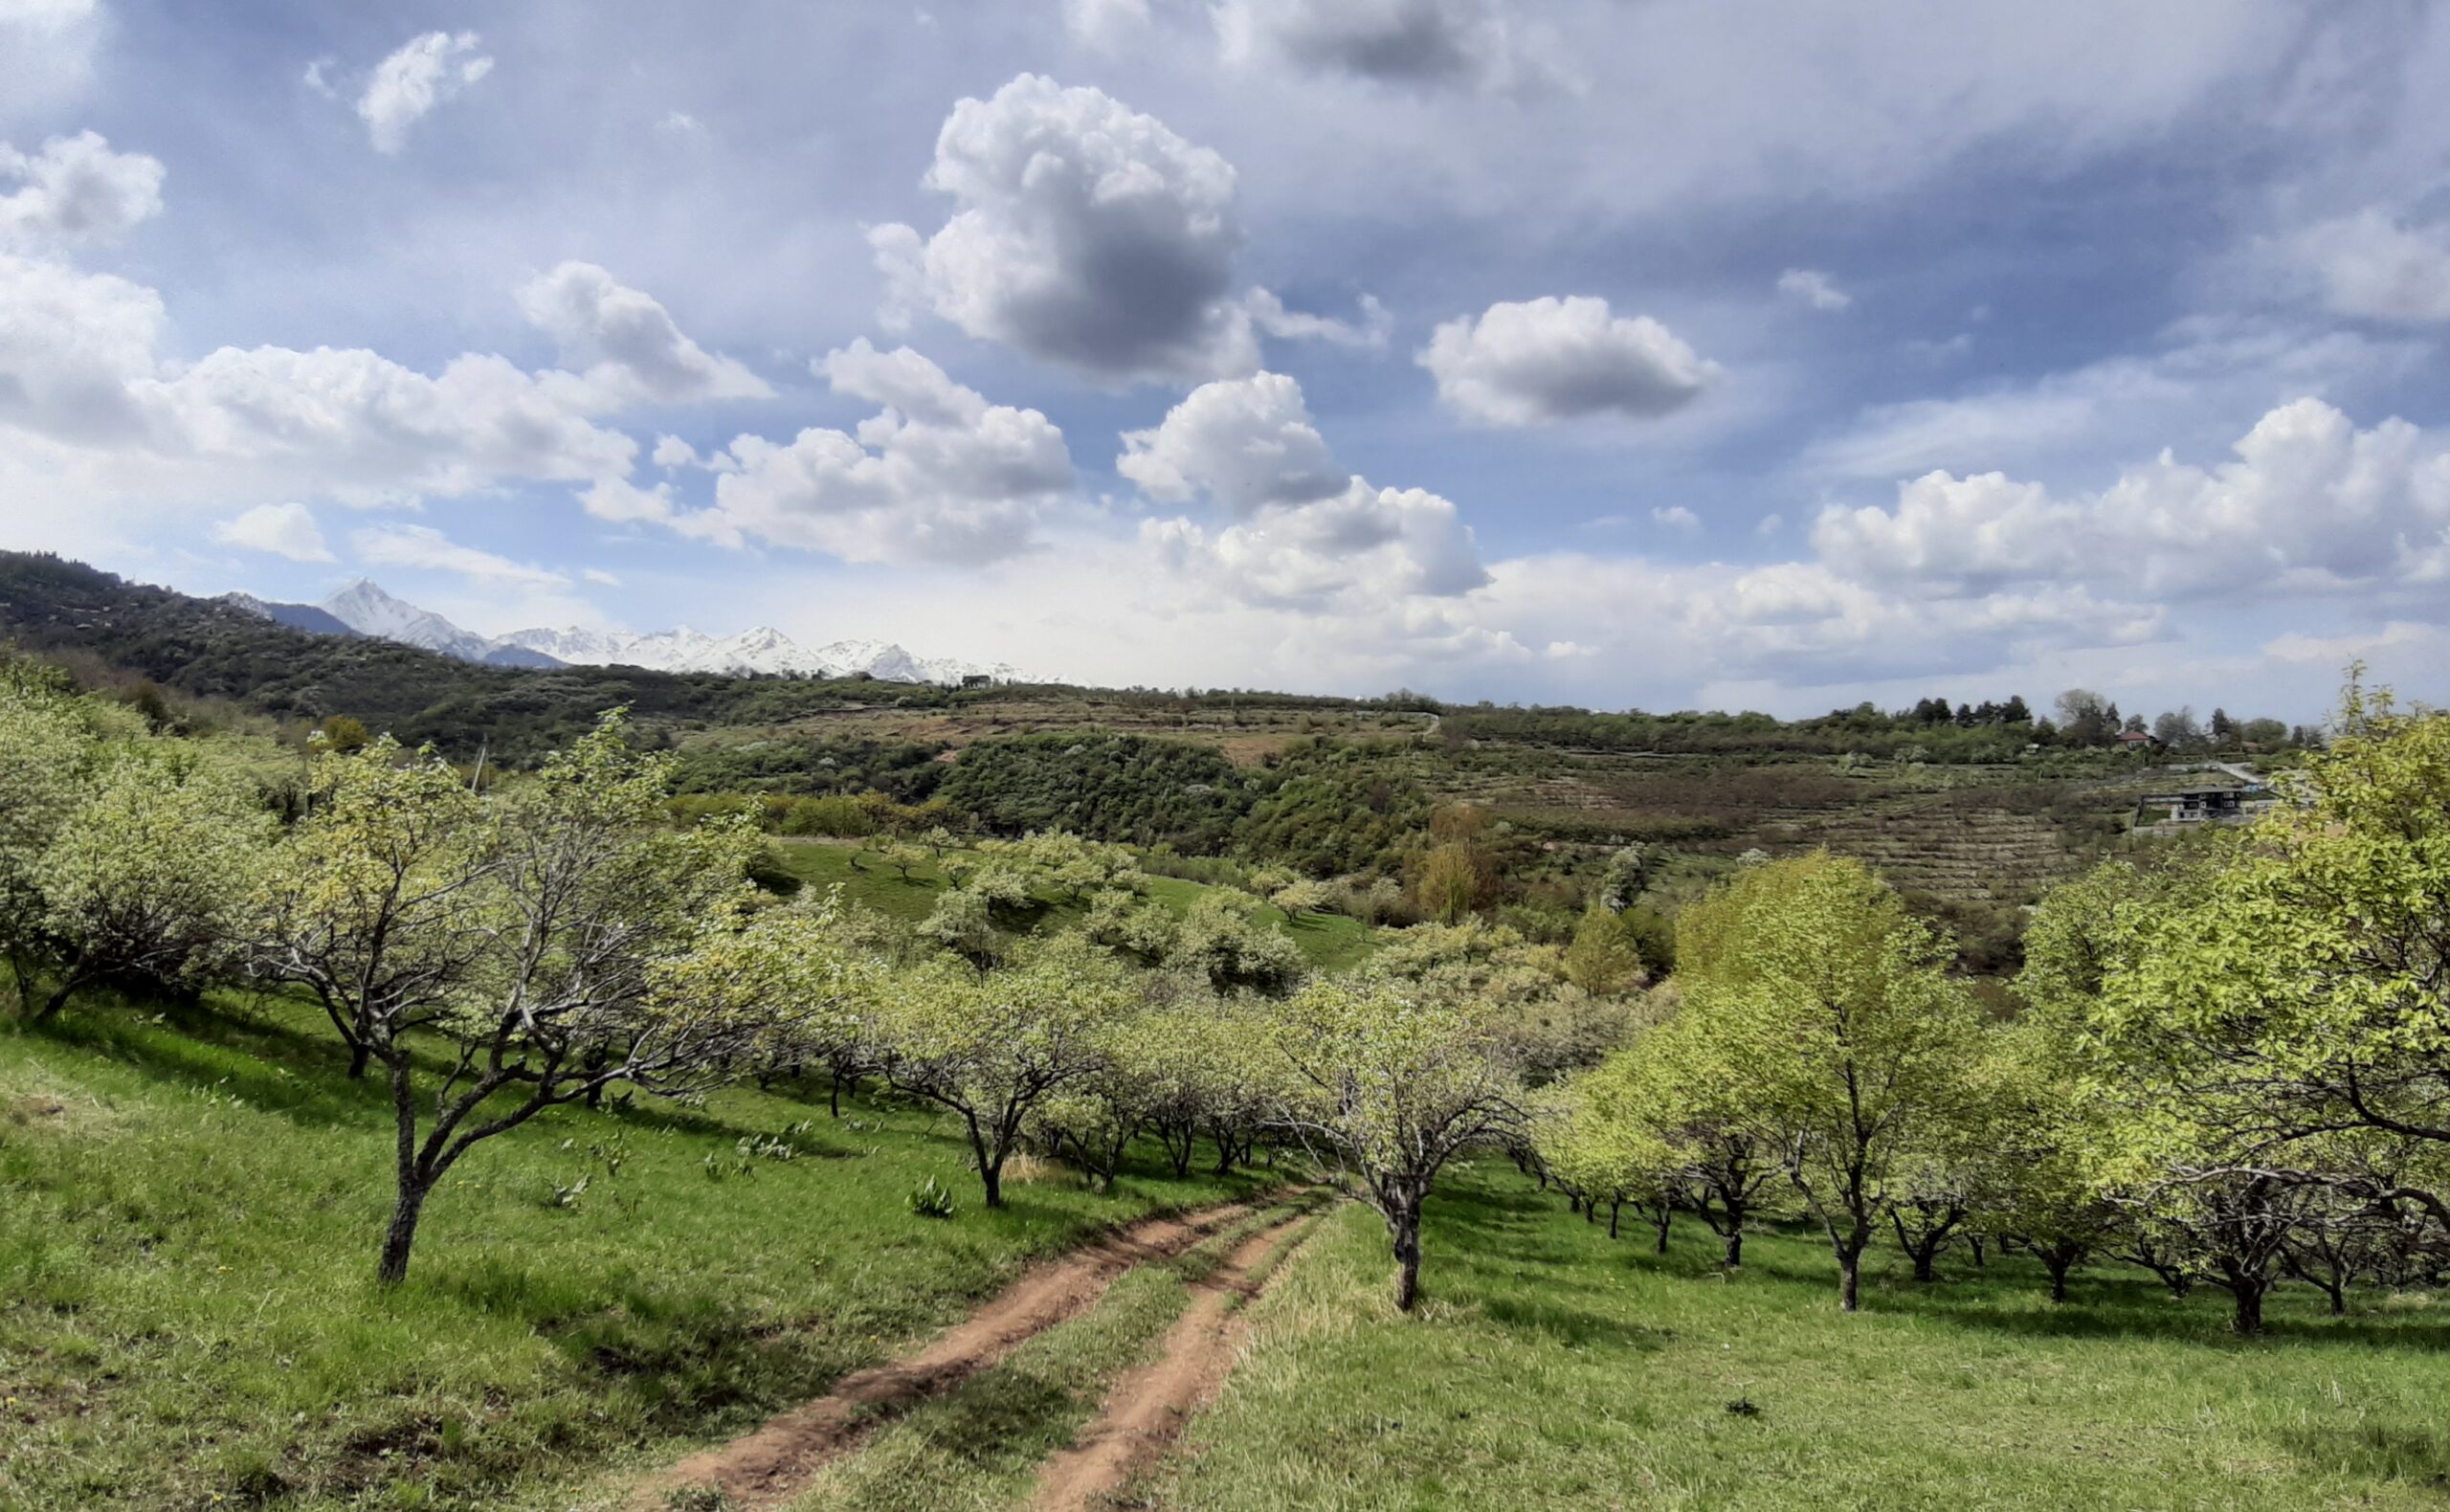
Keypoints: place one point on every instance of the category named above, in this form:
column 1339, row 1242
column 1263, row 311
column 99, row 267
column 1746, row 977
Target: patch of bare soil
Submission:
column 1146, row 1409
column 769, row 1466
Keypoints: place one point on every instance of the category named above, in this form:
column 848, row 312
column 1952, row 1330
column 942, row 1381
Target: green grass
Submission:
column 980, row 1445
column 1555, row 1370
column 188, row 1216
column 1330, row 941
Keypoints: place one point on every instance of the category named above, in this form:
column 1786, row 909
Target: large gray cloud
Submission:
column 1407, row 41
column 1086, row 233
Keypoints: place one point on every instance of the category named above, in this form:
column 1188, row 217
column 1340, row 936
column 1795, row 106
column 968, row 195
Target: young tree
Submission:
column 1705, row 1107
column 1812, row 980
column 1303, row 896
column 1394, row 1085
column 1604, row 959
column 553, row 941
column 995, row 1047
column 1596, row 1136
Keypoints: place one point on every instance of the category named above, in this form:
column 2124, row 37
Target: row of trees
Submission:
column 492, row 955
column 2229, row 1068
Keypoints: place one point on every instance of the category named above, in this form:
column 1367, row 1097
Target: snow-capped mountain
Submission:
column 765, row 650
column 296, row 616
column 364, row 609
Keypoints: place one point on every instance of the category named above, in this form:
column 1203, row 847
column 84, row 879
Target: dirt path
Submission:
column 1146, row 1408
column 769, row 1466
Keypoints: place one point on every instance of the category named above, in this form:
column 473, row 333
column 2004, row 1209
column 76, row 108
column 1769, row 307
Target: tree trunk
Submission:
column 1734, row 1249
column 1406, row 1228
column 57, row 1000
column 1613, row 1209
column 834, row 1094
column 2247, row 1320
column 2058, row 1265
column 1976, row 1240
column 1849, row 1282
column 1922, row 1270
column 358, row 1055
column 994, row 1176
column 393, row 1268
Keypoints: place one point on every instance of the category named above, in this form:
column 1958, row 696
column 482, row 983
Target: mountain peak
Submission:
column 363, row 606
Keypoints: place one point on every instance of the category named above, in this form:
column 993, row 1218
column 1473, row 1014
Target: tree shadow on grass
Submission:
column 1575, row 1327
column 2202, row 1320
column 679, row 1359
column 2414, row 1454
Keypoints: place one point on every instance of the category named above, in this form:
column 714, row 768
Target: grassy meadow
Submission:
column 1550, row 1368
column 190, row 1208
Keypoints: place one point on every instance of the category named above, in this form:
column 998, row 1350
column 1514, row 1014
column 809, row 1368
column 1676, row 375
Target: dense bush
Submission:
column 1117, row 788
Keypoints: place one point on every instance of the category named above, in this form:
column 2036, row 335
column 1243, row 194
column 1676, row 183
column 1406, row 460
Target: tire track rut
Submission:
column 772, row 1463
column 1147, row 1408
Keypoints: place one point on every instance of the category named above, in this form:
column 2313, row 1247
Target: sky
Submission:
column 1626, row 353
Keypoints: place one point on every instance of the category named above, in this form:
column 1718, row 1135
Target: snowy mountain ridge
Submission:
column 364, row 608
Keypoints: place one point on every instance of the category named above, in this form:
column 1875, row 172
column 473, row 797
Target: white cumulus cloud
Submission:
column 1812, row 288
column 406, row 86
column 1556, row 359
column 627, row 343
column 424, row 549
column 1246, row 443
column 937, row 475
column 1305, row 530
column 76, row 190
column 284, row 530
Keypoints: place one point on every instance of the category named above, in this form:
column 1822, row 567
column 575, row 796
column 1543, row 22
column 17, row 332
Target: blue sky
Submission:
column 1631, row 354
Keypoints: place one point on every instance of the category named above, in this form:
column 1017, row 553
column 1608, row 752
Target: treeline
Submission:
column 1932, row 730
column 2226, row 1069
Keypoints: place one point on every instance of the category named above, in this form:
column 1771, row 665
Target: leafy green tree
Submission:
column 1454, row 880
column 1222, row 939
column 1809, row 977
column 1598, row 1136
column 1393, row 1085
column 1604, row 959
column 1675, row 1073
column 47, row 755
column 963, row 920
column 1302, row 896
column 993, row 1047
column 148, row 877
column 2043, row 1137
column 553, row 941
column 2290, row 1015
